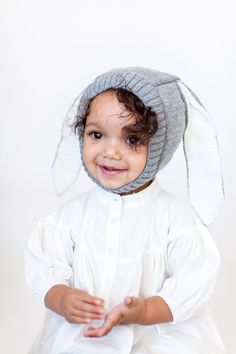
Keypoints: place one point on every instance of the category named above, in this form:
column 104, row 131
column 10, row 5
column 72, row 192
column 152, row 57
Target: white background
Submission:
column 51, row 49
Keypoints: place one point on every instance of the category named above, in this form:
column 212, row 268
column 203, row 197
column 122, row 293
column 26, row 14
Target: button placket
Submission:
column 112, row 249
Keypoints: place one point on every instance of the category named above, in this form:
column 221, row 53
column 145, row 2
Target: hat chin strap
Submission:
column 205, row 181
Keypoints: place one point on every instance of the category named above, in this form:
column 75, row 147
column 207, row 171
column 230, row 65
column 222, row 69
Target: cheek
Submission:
column 142, row 157
column 142, row 163
column 143, row 160
column 90, row 152
column 86, row 152
column 138, row 161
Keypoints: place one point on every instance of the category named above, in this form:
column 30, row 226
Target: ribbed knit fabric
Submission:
column 161, row 93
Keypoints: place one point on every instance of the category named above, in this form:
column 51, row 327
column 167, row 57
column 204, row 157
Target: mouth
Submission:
column 111, row 171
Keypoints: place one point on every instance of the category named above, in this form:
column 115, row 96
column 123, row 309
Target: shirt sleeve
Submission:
column 192, row 264
column 48, row 256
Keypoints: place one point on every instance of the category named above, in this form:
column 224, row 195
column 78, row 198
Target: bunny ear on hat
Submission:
column 66, row 165
column 67, row 161
column 205, row 180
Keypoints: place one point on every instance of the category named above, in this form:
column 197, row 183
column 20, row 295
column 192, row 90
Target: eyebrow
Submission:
column 94, row 124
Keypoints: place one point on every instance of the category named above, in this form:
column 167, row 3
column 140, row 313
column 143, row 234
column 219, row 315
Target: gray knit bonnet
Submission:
column 152, row 88
column 176, row 107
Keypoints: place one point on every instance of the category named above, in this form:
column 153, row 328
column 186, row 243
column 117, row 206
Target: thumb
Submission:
column 130, row 301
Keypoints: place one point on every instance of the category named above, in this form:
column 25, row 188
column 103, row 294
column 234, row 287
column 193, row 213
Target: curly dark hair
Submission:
column 145, row 125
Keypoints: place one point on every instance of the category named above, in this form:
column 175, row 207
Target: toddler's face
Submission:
column 111, row 157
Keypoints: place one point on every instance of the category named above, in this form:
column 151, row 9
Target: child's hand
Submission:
column 75, row 305
column 128, row 312
column 79, row 307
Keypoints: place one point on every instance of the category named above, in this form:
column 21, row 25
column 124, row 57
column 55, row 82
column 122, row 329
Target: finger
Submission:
column 78, row 320
column 111, row 321
column 130, row 301
column 93, row 332
column 98, row 332
column 85, row 307
column 83, row 314
column 85, row 297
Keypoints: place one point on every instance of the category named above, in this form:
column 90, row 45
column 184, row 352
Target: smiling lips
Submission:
column 111, row 171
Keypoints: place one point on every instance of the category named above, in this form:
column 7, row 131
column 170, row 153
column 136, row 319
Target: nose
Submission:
column 112, row 150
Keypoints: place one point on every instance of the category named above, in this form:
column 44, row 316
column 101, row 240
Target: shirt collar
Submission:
column 131, row 200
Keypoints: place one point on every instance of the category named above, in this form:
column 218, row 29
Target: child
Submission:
column 127, row 267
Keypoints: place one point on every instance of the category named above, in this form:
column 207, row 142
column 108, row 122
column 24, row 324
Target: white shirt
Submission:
column 111, row 246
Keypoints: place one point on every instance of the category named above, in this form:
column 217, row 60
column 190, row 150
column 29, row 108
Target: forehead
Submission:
column 105, row 102
column 105, row 106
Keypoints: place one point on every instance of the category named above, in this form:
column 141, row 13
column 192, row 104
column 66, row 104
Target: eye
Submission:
column 133, row 141
column 95, row 135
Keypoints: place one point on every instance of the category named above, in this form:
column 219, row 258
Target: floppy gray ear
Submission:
column 67, row 161
column 205, row 180
column 67, row 164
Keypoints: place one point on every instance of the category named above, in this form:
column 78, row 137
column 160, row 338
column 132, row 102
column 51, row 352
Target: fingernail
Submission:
column 100, row 302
